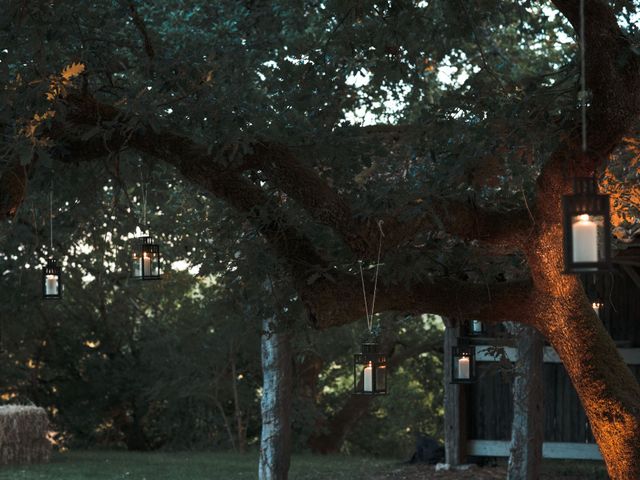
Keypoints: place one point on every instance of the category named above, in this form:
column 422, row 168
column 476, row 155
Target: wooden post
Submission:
column 275, row 406
column 528, row 415
column 454, row 416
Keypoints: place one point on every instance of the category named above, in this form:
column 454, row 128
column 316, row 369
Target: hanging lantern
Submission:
column 463, row 364
column 597, row 307
column 587, row 226
column 370, row 371
column 51, row 280
column 146, row 259
column 475, row 328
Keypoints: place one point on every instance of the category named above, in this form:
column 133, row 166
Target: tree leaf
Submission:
column 72, row 70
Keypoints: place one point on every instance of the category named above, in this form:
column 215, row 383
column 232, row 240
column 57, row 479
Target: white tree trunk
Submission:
column 275, row 441
column 527, row 429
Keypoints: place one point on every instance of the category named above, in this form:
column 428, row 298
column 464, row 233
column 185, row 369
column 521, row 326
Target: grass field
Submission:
column 120, row 465
column 108, row 465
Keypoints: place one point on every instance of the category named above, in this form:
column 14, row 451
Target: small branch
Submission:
column 139, row 23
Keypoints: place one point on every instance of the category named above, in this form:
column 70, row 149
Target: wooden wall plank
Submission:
column 630, row 355
column 558, row 450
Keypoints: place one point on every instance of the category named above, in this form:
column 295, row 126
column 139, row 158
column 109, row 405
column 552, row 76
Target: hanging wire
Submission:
column 143, row 187
column 51, row 217
column 583, row 80
column 368, row 313
column 364, row 294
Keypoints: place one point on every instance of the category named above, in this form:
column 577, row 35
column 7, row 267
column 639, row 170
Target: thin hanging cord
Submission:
column 364, row 294
column 144, row 205
column 143, row 187
column 375, row 282
column 583, row 80
column 51, row 218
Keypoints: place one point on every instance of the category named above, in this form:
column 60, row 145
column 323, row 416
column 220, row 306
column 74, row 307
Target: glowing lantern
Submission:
column 52, row 280
column 475, row 328
column 587, row 226
column 370, row 371
column 463, row 364
column 146, row 259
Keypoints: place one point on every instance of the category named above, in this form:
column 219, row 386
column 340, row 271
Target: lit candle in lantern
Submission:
column 51, row 286
column 476, row 326
column 585, row 240
column 147, row 265
column 596, row 308
column 368, row 378
column 464, row 371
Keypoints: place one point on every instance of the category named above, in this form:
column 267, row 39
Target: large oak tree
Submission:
column 476, row 137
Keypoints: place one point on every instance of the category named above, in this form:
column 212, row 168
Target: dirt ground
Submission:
column 427, row 472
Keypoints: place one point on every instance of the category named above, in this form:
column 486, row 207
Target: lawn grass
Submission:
column 115, row 465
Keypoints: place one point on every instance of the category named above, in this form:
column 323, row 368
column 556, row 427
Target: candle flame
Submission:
column 584, row 217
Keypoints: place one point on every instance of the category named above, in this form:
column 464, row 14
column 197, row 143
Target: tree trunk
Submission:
column 241, row 432
column 454, row 434
column 607, row 388
column 275, row 441
column 527, row 428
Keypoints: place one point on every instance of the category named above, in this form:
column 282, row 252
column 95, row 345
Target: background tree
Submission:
column 253, row 103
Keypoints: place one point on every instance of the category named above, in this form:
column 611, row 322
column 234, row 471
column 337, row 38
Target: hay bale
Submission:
column 23, row 435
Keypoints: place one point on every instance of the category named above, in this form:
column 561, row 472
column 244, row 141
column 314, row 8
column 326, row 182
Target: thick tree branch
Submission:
column 198, row 166
column 336, row 299
column 223, row 178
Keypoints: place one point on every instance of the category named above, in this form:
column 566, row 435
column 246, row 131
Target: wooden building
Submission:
column 478, row 416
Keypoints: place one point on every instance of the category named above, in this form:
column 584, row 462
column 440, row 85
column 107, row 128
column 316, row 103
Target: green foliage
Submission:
column 474, row 95
column 116, row 361
column 415, row 399
column 479, row 92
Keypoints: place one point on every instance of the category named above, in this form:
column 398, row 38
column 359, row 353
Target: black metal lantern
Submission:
column 463, row 364
column 146, row 259
column 475, row 328
column 587, row 225
column 52, row 280
column 370, row 371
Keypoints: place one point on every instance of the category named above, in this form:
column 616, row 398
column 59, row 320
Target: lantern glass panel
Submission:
column 476, row 327
column 586, row 225
column 52, row 280
column 369, row 371
column 463, row 365
column 145, row 260
column 381, row 378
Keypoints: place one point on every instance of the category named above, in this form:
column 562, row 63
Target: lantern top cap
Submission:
column 146, row 240
column 369, row 347
column 463, row 348
column 585, row 185
column 51, row 262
